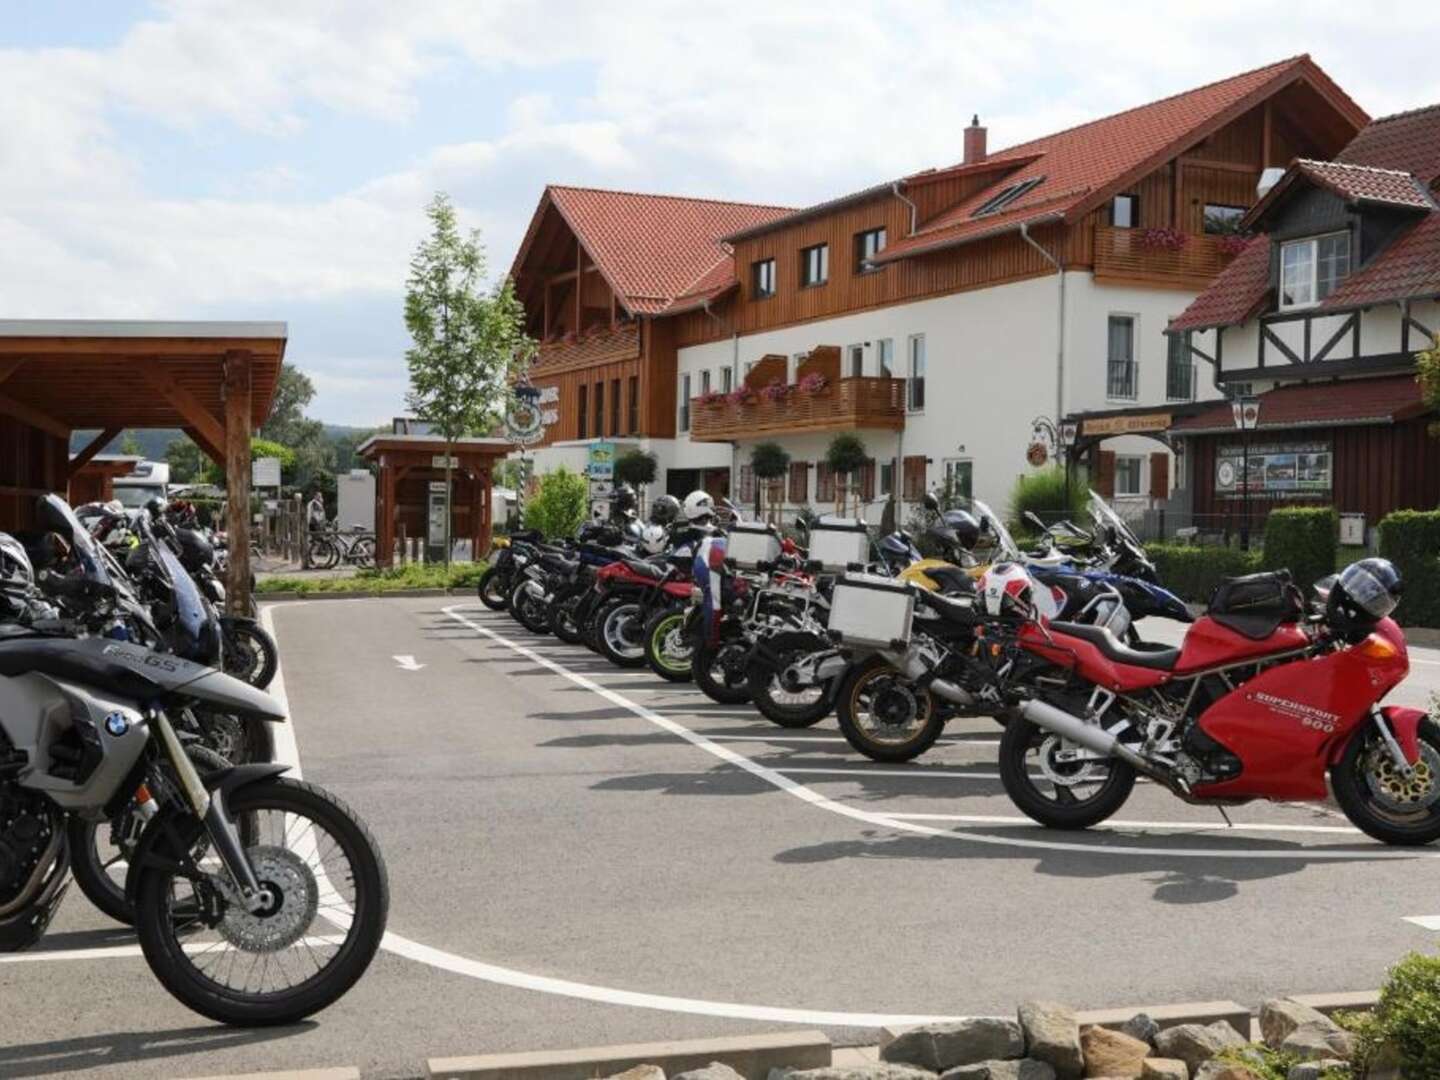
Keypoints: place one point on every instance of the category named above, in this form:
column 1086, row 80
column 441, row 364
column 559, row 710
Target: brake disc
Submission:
column 294, row 899
column 1400, row 793
column 1072, row 775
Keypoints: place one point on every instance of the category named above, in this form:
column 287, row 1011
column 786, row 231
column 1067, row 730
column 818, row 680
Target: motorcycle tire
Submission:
column 249, row 653
column 776, row 704
column 621, row 633
column 1020, row 777
column 1376, row 797
column 529, row 610
column 562, row 615
column 171, row 950
column 492, row 591
column 661, row 654
column 719, row 670
column 880, row 738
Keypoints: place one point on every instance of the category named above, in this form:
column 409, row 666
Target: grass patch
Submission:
column 369, row 582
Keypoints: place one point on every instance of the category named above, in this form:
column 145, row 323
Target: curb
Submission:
column 348, row 1072
column 752, row 1056
column 1355, row 1001
column 354, row 594
column 1167, row 1016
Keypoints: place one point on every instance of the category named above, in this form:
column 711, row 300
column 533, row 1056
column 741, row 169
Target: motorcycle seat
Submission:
column 1159, row 657
column 645, row 569
column 959, row 609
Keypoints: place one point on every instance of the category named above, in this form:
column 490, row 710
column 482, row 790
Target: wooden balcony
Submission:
column 846, row 405
column 599, row 346
column 1123, row 256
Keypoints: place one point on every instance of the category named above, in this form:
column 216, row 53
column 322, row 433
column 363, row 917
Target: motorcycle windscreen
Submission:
column 54, row 513
column 195, row 629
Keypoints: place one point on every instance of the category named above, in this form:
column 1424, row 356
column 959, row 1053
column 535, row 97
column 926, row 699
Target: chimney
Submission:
column 974, row 141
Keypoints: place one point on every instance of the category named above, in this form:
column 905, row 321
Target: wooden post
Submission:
column 237, row 480
column 579, row 282
column 1267, row 132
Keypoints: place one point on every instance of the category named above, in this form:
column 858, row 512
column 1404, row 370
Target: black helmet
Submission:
column 897, row 548
column 963, row 524
column 622, row 499
column 665, row 510
column 15, row 564
column 1364, row 593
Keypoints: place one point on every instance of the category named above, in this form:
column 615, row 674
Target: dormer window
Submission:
column 1311, row 269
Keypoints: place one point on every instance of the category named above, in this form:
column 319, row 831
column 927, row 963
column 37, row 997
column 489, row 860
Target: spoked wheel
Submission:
column 668, row 648
column 528, row 607
column 719, row 670
column 797, row 708
column 235, row 739
column 324, row 555
column 327, row 903
column 884, row 715
column 492, row 591
column 1380, row 798
column 249, row 653
column 362, row 553
column 621, row 633
column 1056, row 792
column 563, row 623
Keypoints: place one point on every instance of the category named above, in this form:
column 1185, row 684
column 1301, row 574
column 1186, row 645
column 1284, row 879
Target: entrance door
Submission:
column 960, row 477
column 680, row 482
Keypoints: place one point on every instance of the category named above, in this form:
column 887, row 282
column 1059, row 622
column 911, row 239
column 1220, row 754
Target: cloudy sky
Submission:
column 270, row 158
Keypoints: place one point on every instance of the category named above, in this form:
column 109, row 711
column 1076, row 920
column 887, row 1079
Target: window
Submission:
column 1311, row 269
column 856, row 367
column 614, row 406
column 868, row 244
column 599, row 398
column 583, row 400
column 1004, row 198
column 685, row 402
column 762, row 278
column 747, row 484
column 913, row 471
column 887, row 477
column 1121, row 376
column 915, row 393
column 1179, row 369
column 727, row 377
column 799, row 482
column 1222, row 220
column 1127, row 474
column 885, row 354
column 634, row 420
column 959, row 477
column 704, row 382
column 867, row 481
column 1125, row 211
column 824, row 483
column 1235, row 390
column 814, row 265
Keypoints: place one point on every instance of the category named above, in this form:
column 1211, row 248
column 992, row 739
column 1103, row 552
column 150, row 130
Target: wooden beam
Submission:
column 1219, row 166
column 87, row 455
column 28, row 414
column 1267, row 133
column 188, row 405
column 1177, row 185
column 236, row 440
column 571, row 275
column 209, row 449
column 579, row 282
column 9, row 365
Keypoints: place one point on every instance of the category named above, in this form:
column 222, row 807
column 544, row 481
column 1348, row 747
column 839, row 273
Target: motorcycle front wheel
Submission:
column 492, row 591
column 563, row 622
column 1381, row 800
column 1056, row 793
column 668, row 650
column 528, row 609
column 249, row 653
column 620, row 631
column 719, row 670
column 884, row 715
column 330, row 901
column 789, row 708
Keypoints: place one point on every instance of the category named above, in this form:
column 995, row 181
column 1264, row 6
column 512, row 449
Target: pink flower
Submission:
column 777, row 391
column 813, row 383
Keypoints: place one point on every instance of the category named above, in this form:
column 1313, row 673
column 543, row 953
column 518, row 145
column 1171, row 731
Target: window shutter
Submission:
column 867, row 480
column 824, row 483
column 747, row 484
column 1105, row 473
column 1159, row 476
column 799, row 482
column 914, row 488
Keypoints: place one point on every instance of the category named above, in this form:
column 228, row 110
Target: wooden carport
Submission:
column 213, row 379
column 408, row 464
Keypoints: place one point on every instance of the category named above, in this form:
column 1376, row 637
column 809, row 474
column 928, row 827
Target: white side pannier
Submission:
column 835, row 543
column 751, row 542
column 869, row 611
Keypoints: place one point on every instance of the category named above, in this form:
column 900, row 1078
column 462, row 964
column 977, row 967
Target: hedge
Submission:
column 1411, row 540
column 1192, row 573
column 1301, row 539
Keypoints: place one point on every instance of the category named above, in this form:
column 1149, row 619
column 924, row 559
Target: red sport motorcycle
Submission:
column 1260, row 701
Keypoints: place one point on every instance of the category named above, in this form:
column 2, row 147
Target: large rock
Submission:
column 716, row 1070
column 1225, row 1070
column 1311, row 1042
column 1165, row 1069
column 1279, row 1017
column 1022, row 1069
column 1141, row 1026
column 1195, row 1044
column 938, row 1047
column 1313, row 1070
column 1112, row 1053
column 1052, row 1035
column 879, row 1071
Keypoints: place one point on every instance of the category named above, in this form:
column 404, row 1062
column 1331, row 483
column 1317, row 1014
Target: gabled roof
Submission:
column 1325, row 404
column 1353, row 183
column 1406, row 141
column 651, row 249
column 1408, row 268
column 1084, row 166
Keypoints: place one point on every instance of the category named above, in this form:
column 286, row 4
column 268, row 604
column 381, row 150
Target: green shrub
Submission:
column 558, row 507
column 397, row 579
column 1411, row 540
column 1192, row 573
column 1042, row 492
column 1301, row 539
column 1406, row 1023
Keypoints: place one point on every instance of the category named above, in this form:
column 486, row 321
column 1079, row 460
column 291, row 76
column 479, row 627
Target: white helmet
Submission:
column 1008, row 589
column 652, row 539
column 699, row 505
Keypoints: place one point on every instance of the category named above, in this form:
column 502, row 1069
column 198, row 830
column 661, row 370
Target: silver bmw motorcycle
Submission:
column 258, row 899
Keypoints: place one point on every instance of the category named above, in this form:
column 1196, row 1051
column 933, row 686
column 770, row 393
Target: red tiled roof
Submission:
column 1366, row 183
column 1235, row 294
column 1328, row 404
column 1410, row 267
column 1085, row 165
column 1408, row 141
column 651, row 248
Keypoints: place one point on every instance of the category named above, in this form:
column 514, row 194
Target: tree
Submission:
column 1427, row 364
column 846, row 455
column 558, row 508
column 769, row 461
column 638, row 469
column 286, row 423
column 188, row 463
column 468, row 342
column 129, row 445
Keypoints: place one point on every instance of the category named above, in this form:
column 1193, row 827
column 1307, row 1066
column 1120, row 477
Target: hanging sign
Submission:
column 600, row 464
column 1124, row 425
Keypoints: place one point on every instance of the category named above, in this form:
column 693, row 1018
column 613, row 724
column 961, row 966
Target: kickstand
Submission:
column 1228, row 823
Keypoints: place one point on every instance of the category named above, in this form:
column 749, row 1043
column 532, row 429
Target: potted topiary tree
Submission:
column 846, row 455
column 638, row 469
column 770, row 462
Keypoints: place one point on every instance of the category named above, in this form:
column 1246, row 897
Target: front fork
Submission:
column 210, row 810
column 1392, row 745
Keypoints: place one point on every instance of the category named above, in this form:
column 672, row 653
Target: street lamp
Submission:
column 1246, row 412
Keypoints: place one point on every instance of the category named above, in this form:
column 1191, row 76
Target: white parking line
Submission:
column 1123, row 826
column 1429, row 922
column 919, row 772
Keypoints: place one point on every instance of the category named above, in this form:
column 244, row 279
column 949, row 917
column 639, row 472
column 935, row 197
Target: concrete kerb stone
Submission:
column 753, row 1056
column 345, row 1073
column 286, row 597
column 1329, row 1004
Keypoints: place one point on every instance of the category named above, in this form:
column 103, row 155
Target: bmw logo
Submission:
column 116, row 724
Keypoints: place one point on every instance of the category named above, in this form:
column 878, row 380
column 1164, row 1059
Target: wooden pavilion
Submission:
column 213, row 379
column 409, row 464
column 95, row 480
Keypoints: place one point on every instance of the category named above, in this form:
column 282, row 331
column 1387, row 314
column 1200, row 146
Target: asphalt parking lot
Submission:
column 581, row 855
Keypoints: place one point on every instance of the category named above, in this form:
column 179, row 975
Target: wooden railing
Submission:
column 845, row 405
column 597, row 347
column 1124, row 254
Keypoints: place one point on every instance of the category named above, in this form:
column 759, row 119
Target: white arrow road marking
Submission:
column 407, row 663
column 1429, row 922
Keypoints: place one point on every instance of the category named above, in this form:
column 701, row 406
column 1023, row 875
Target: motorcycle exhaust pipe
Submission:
column 803, row 675
column 952, row 693
column 1087, row 735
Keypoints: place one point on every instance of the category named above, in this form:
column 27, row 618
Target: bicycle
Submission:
column 329, row 548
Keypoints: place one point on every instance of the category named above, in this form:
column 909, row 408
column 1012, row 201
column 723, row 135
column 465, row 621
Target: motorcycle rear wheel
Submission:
column 492, row 591
column 562, row 615
column 1382, row 803
column 666, row 651
column 907, row 723
column 621, row 633
column 789, row 709
column 719, row 671
column 529, row 610
column 1067, row 806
